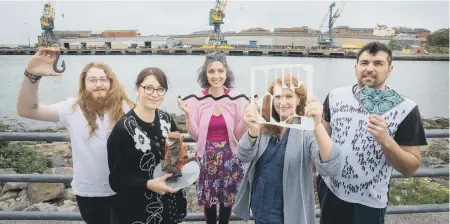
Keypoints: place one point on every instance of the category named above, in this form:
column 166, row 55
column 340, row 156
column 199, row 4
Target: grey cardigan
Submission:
column 298, row 190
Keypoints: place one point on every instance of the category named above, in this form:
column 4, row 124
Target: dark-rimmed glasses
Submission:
column 150, row 89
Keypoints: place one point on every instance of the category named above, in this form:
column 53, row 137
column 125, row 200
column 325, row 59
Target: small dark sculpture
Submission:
column 174, row 156
column 55, row 64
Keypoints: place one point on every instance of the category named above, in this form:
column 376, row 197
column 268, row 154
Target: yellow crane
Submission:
column 216, row 38
column 48, row 37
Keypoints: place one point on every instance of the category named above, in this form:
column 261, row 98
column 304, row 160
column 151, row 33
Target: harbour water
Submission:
column 425, row 82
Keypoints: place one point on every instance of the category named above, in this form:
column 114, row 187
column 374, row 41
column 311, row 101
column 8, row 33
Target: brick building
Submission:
column 120, row 33
column 302, row 29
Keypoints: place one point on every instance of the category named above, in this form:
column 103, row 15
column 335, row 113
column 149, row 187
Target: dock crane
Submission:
column 326, row 35
column 216, row 15
column 48, row 38
column 47, row 25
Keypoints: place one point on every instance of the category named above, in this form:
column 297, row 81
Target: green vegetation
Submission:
column 22, row 160
column 438, row 42
column 394, row 46
column 3, row 127
column 415, row 191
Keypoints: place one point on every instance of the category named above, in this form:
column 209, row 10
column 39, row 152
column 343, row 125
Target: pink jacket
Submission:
column 201, row 112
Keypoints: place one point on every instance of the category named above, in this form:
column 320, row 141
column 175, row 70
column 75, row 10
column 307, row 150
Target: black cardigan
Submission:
column 135, row 147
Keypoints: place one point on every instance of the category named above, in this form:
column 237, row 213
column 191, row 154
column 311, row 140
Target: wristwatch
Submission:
column 33, row 78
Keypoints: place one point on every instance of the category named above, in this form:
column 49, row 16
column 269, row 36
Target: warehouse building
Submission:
column 118, row 43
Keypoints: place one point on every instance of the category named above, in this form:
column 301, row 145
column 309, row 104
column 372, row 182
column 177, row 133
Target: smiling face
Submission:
column 217, row 74
column 97, row 83
column 373, row 69
column 285, row 102
column 151, row 93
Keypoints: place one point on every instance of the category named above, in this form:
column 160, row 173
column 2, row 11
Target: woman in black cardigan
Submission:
column 135, row 148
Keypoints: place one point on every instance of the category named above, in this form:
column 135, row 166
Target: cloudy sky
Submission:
column 183, row 16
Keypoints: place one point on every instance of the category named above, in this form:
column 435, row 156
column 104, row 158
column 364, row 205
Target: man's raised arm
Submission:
column 41, row 64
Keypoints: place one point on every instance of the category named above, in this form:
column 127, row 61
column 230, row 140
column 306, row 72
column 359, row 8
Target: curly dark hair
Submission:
column 373, row 48
column 202, row 78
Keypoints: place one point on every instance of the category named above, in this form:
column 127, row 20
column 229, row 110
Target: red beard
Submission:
column 96, row 104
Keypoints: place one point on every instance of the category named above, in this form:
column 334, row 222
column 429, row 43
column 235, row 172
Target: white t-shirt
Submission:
column 365, row 171
column 89, row 155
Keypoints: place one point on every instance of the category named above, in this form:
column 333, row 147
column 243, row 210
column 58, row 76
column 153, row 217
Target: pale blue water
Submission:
column 425, row 82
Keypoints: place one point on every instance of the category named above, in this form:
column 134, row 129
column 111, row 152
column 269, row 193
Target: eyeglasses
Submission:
column 103, row 80
column 150, row 89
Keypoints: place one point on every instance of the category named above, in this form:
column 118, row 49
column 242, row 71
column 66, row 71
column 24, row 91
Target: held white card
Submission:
column 262, row 77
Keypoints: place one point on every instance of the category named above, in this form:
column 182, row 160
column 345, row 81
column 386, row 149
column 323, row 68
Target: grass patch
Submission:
column 21, row 159
column 415, row 191
column 3, row 128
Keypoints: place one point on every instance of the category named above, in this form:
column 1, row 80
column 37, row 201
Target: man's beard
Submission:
column 97, row 104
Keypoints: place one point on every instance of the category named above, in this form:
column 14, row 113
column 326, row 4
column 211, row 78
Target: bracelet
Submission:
column 33, row 78
column 249, row 135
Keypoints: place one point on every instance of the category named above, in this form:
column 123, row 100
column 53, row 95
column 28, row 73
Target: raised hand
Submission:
column 314, row 109
column 41, row 64
column 250, row 117
column 183, row 106
column 378, row 128
column 158, row 185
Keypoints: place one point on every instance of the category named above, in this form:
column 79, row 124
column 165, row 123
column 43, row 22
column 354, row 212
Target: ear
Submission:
column 355, row 70
column 390, row 68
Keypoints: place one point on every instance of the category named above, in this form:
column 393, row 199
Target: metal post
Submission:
column 29, row 44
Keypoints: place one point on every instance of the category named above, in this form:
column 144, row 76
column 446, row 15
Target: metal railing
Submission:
column 75, row 216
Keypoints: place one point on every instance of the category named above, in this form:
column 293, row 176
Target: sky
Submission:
column 21, row 19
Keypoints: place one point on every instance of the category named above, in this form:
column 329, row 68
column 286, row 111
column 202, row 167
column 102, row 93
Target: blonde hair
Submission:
column 267, row 106
column 113, row 102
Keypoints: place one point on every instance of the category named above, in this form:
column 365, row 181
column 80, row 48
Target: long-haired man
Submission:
column 89, row 118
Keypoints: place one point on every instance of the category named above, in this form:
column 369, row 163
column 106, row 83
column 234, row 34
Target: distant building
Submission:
column 118, row 43
column 416, row 49
column 96, row 34
column 201, row 32
column 255, row 30
column 361, row 31
column 59, row 34
column 349, row 30
column 341, row 29
column 417, row 32
column 405, row 40
column 383, row 31
column 120, row 33
column 302, row 29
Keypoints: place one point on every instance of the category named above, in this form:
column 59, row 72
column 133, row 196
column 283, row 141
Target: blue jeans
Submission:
column 337, row 211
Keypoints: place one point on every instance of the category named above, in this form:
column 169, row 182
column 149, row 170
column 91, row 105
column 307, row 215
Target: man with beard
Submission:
column 89, row 118
column 378, row 130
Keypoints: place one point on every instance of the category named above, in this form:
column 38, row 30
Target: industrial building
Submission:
column 383, row 31
column 72, row 34
column 120, row 33
column 118, row 43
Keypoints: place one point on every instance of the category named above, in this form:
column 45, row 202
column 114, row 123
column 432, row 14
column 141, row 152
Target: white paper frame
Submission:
column 307, row 123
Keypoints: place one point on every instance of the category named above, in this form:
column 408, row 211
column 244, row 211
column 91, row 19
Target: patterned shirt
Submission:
column 365, row 172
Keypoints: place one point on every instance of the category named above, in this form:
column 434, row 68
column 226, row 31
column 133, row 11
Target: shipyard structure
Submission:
column 295, row 41
column 293, row 38
column 280, row 42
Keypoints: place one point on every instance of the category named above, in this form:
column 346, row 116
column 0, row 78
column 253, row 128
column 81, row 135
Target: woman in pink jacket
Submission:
column 214, row 120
